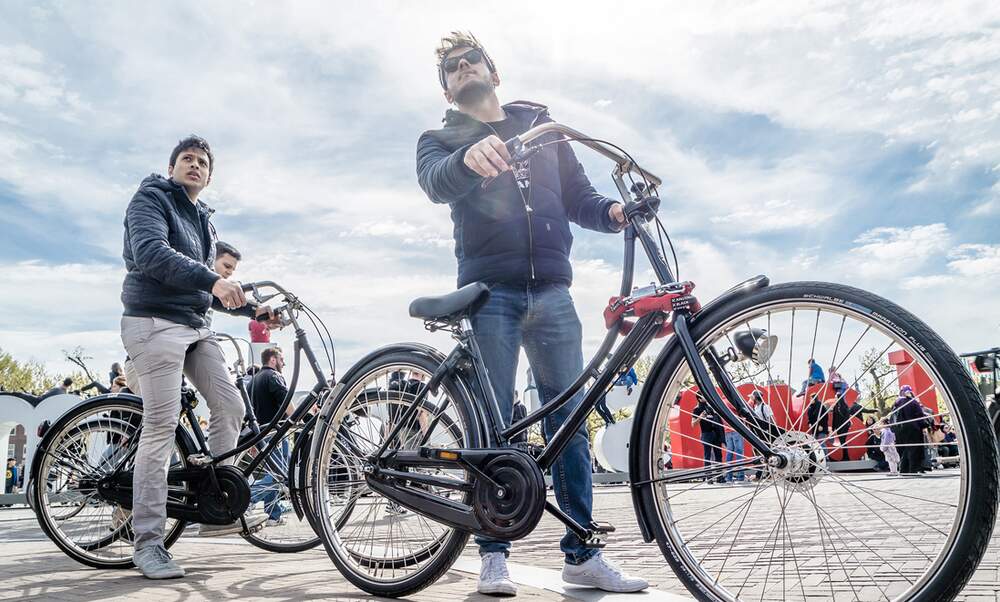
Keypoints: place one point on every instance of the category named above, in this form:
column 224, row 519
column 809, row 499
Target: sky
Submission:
column 844, row 142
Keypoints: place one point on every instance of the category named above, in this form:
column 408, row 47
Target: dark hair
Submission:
column 67, row 381
column 196, row 142
column 267, row 354
column 224, row 248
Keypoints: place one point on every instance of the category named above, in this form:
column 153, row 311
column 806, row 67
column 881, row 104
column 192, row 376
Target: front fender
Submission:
column 645, row 398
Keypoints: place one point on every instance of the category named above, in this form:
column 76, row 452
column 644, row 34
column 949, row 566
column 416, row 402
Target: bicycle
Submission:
column 799, row 531
column 85, row 458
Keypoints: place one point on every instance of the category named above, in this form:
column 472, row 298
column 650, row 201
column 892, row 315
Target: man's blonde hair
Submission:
column 455, row 39
column 459, row 39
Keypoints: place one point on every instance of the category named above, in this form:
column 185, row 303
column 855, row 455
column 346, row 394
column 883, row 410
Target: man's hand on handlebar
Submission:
column 230, row 294
column 488, row 157
column 272, row 321
column 617, row 214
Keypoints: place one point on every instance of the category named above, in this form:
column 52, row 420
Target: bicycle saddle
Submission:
column 445, row 307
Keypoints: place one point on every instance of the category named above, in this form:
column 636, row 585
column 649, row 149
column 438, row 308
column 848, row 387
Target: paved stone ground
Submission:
column 709, row 502
column 34, row 569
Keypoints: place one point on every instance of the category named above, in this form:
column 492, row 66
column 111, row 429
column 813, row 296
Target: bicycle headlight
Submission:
column 756, row 345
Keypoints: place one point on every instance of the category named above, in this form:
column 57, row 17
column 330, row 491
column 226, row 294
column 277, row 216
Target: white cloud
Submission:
column 975, row 260
column 314, row 117
column 892, row 252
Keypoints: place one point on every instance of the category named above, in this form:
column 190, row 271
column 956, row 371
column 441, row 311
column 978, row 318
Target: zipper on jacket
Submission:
column 527, row 203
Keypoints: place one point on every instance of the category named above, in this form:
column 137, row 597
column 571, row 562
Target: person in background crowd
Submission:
column 259, row 333
column 734, row 453
column 227, row 258
column 815, row 376
column 949, row 443
column 61, row 389
column 518, row 413
column 120, row 385
column 116, row 371
column 843, row 415
column 667, row 458
column 887, row 444
column 837, row 382
column 763, row 412
column 10, row 481
column 267, row 392
column 713, row 434
column 872, row 444
column 628, row 380
column 819, row 422
column 909, row 424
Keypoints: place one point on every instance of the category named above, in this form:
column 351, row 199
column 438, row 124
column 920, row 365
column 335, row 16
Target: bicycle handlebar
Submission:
column 518, row 146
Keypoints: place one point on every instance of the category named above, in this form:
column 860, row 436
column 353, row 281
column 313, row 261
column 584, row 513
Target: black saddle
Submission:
column 453, row 306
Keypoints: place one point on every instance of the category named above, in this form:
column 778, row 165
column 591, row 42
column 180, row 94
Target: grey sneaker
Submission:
column 598, row 572
column 155, row 562
column 254, row 522
column 494, row 580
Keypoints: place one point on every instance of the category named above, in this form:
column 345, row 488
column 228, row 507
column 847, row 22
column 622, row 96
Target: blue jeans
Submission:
column 541, row 318
column 734, row 452
column 266, row 489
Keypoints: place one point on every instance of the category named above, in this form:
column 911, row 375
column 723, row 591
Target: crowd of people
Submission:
column 908, row 439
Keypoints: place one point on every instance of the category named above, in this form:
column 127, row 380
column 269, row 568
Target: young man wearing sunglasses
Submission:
column 513, row 234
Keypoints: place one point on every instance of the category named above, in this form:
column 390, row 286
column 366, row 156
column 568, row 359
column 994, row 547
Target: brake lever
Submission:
column 518, row 153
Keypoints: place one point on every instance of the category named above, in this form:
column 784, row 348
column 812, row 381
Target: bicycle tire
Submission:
column 256, row 538
column 970, row 538
column 57, row 433
column 452, row 543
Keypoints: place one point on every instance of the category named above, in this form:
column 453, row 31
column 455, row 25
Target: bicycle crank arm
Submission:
column 454, row 514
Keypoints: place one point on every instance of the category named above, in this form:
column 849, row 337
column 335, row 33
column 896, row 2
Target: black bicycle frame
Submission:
column 628, row 352
column 277, row 426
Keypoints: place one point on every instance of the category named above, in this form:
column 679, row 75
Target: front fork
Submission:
column 755, row 435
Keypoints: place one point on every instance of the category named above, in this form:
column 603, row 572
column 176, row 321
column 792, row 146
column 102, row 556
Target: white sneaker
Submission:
column 254, row 521
column 598, row 572
column 494, row 580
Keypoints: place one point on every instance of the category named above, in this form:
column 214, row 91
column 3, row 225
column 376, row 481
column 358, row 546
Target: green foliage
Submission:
column 27, row 377
column 875, row 385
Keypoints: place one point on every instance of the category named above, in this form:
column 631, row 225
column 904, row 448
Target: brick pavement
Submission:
column 625, row 546
column 34, row 569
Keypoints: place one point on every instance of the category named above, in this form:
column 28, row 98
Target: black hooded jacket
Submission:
column 169, row 251
column 500, row 236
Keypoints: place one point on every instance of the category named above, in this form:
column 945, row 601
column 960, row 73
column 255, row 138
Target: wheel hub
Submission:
column 804, row 461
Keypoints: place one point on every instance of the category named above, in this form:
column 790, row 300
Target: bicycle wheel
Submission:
column 381, row 547
column 270, row 486
column 809, row 530
column 88, row 443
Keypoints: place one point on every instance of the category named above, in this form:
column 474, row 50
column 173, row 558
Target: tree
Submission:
column 26, row 377
column 874, row 384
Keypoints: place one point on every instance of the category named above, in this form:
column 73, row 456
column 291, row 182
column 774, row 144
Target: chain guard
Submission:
column 216, row 509
column 511, row 512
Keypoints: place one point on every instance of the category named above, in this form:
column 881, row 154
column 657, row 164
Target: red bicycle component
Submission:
column 676, row 297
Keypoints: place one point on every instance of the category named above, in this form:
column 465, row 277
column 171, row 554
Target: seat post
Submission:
column 466, row 325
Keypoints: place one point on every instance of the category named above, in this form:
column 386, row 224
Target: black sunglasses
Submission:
column 450, row 65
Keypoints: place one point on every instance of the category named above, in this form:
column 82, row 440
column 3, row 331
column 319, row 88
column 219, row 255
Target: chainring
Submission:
column 222, row 508
column 510, row 502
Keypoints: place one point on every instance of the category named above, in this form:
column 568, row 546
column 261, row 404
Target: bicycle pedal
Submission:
column 594, row 543
column 602, row 528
